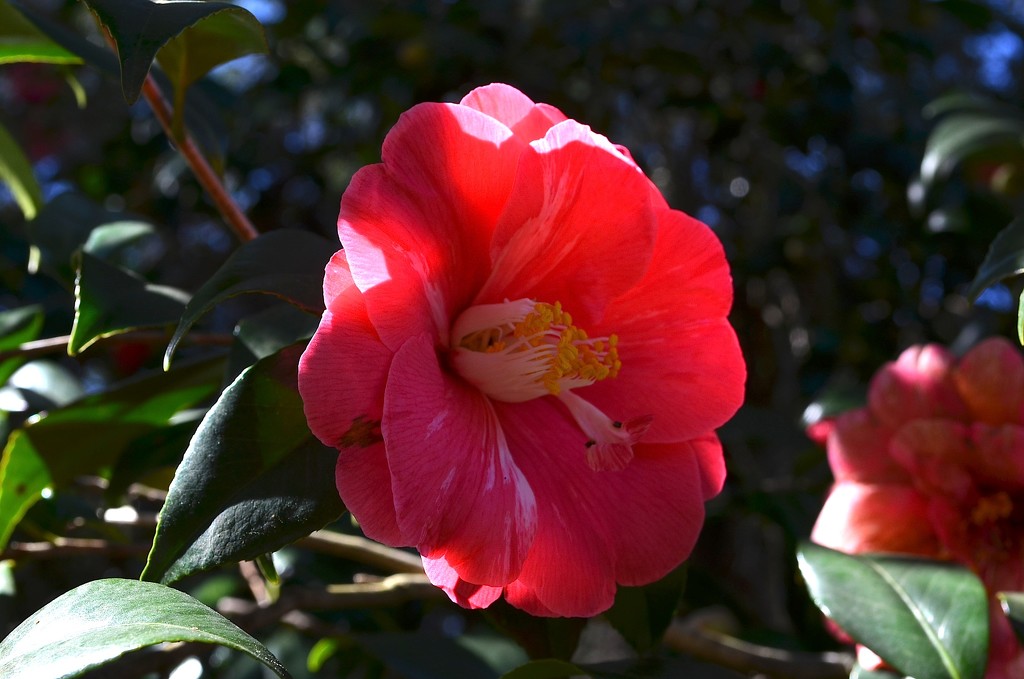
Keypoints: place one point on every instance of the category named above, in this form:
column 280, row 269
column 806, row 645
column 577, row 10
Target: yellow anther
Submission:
column 992, row 508
column 552, row 352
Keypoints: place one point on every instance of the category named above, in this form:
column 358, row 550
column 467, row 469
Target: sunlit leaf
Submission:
column 105, row 619
column 958, row 136
column 206, row 34
column 89, row 435
column 1013, row 606
column 127, row 243
column 286, row 263
column 927, row 619
column 253, row 479
column 110, row 300
column 17, row 326
column 1005, row 258
column 21, row 41
column 16, row 172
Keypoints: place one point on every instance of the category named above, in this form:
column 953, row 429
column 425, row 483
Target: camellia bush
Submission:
column 528, row 404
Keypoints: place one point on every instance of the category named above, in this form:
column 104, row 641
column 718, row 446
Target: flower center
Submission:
column 520, row 350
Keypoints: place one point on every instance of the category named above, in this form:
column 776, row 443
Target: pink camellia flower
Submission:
column 524, row 355
column 934, row 467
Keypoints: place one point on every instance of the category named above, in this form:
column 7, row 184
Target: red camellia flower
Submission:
column 934, row 466
column 524, row 355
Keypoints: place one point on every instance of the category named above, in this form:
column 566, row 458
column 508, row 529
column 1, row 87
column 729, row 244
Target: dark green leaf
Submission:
column 89, row 435
column 252, row 480
column 642, row 614
column 861, row 673
column 286, row 263
column 16, row 172
column 958, row 136
column 64, row 226
column 263, row 333
column 160, row 449
column 20, row 40
column 1005, row 258
column 548, row 668
column 140, row 28
column 128, row 243
column 927, row 619
column 110, row 300
column 104, row 619
column 17, row 326
column 1013, row 607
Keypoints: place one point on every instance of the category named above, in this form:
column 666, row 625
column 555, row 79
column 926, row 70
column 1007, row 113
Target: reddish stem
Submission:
column 197, row 161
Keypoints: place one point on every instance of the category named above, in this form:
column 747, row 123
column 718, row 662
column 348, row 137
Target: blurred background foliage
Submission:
column 795, row 128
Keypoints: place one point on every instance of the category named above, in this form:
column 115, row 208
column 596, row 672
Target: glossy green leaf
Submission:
column 128, row 243
column 286, row 263
column 1005, row 258
column 547, row 668
column 1020, row 319
column 253, row 479
column 105, row 619
column 927, row 619
column 21, row 41
column 958, row 136
column 16, row 172
column 860, row 673
column 160, row 449
column 17, row 326
column 642, row 614
column 207, row 34
column 1013, row 606
column 110, row 300
column 64, row 226
column 261, row 334
column 89, row 435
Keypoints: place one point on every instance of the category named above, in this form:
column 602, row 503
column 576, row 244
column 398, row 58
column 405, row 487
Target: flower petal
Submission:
column 918, row 384
column 858, row 518
column 458, row 492
column 937, row 454
column 465, row 594
column 630, row 526
column 998, row 456
column 579, row 227
column 858, row 450
column 416, row 228
column 681, row 361
column 505, row 103
column 990, row 378
column 346, row 351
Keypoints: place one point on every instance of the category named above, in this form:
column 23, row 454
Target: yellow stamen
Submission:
column 562, row 352
column 992, row 508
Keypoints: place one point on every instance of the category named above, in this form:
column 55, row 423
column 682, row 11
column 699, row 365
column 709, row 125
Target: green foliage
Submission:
column 252, row 480
column 88, row 436
column 926, row 618
column 110, row 300
column 21, row 41
column 16, row 172
column 104, row 619
column 188, row 38
column 287, row 264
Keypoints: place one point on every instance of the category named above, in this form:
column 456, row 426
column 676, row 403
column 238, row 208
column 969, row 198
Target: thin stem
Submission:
column 53, row 345
column 364, row 551
column 209, row 180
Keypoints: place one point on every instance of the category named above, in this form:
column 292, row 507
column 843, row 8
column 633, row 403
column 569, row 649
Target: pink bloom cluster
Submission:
column 523, row 359
column 934, row 466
